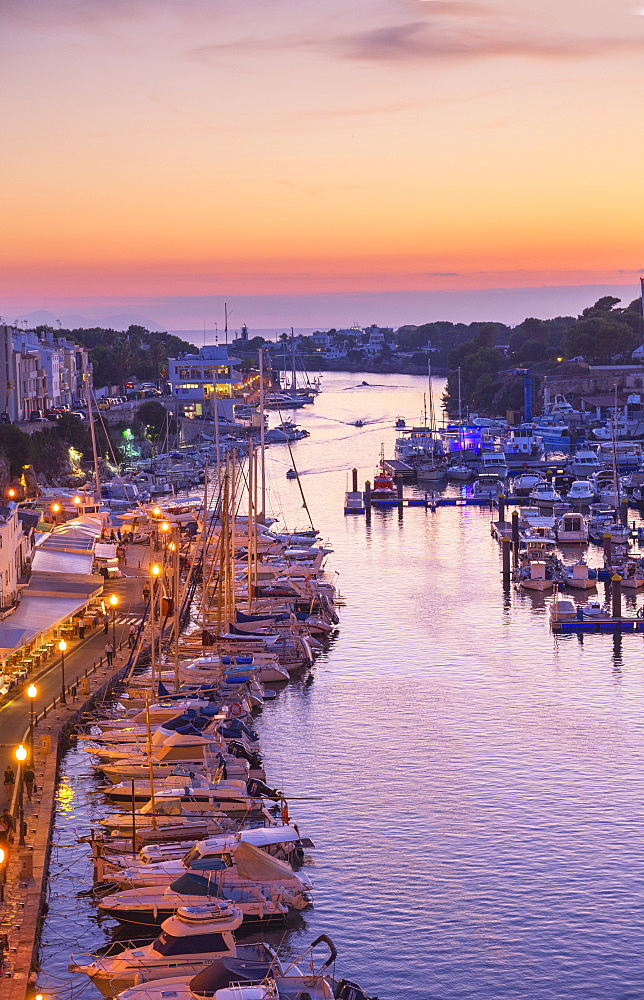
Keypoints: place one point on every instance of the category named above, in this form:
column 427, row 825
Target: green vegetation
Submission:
column 603, row 334
column 115, row 355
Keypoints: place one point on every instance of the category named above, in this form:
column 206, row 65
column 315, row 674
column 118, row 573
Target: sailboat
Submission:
column 431, row 469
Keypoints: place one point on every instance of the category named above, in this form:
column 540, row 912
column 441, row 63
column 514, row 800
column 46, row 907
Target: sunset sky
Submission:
column 306, row 159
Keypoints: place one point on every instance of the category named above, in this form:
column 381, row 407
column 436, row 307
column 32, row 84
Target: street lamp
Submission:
column 21, row 756
column 62, row 646
column 32, row 691
column 155, row 570
column 114, row 601
column 11, row 493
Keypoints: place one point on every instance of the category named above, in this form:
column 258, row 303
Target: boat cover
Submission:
column 258, row 866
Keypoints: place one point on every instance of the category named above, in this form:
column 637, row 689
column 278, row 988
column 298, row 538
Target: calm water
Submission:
column 473, row 784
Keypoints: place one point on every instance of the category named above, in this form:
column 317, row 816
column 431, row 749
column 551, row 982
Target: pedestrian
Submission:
column 9, row 782
column 118, row 534
column 81, row 628
column 146, row 593
column 7, row 826
column 131, row 639
column 109, row 652
column 112, row 536
column 106, row 622
column 29, row 779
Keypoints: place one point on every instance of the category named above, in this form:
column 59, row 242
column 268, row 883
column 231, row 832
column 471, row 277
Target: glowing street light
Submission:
column 21, row 756
column 32, row 691
column 157, row 511
column 11, row 493
column 62, row 646
column 155, row 569
column 114, row 601
column 77, row 501
column 3, row 873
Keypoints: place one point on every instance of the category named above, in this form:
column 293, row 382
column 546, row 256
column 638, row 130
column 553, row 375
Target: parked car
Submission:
column 36, row 416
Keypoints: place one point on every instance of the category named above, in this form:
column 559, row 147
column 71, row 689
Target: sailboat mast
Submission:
column 293, row 382
column 262, row 442
column 90, row 417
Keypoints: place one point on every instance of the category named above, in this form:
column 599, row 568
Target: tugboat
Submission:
column 383, row 487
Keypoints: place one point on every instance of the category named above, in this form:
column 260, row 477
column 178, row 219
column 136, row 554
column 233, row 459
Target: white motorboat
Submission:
column 493, row 463
column 581, row 491
column 563, row 610
column 228, row 979
column 534, row 577
column 240, row 864
column 580, row 577
column 523, row 485
column 458, row 473
column 544, row 492
column 277, row 841
column 585, row 463
column 189, row 941
column 151, row 905
column 571, row 528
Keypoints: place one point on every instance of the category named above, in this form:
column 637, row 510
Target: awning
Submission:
column 255, row 864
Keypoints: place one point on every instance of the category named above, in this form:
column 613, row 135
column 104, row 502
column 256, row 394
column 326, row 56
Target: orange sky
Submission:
column 161, row 148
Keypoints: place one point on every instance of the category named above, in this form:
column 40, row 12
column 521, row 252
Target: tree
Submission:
column 602, row 331
column 154, row 417
column 15, row 446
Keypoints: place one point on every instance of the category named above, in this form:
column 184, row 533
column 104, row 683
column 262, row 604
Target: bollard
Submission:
column 354, row 475
column 505, row 547
column 624, row 506
column 399, row 488
column 367, row 502
column 501, row 508
column 616, row 582
column 515, row 535
column 608, row 555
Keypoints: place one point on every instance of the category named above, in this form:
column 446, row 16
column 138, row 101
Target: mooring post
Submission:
column 616, row 582
column 515, row 535
column 607, row 549
column 354, row 476
column 625, row 511
column 501, row 508
column 399, row 488
column 505, row 546
column 367, row 501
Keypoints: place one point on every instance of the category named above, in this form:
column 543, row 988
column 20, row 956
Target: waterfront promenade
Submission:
column 26, row 868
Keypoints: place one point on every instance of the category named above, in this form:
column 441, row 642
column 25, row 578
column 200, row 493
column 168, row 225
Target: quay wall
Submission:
column 27, row 870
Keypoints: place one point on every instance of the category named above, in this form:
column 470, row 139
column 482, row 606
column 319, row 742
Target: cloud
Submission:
column 430, row 40
column 418, row 40
column 441, row 274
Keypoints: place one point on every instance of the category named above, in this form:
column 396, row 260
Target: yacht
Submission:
column 523, row 485
column 585, row 462
column 544, row 492
column 150, row 905
column 582, row 491
column 458, row 473
column 627, row 454
column 571, row 528
column 493, row 463
column 232, row 979
column 522, row 443
column 284, row 432
column 189, row 941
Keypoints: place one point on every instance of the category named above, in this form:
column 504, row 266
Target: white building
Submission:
column 14, row 556
column 198, row 380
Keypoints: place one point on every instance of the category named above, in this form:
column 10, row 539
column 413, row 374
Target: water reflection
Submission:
column 474, row 784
